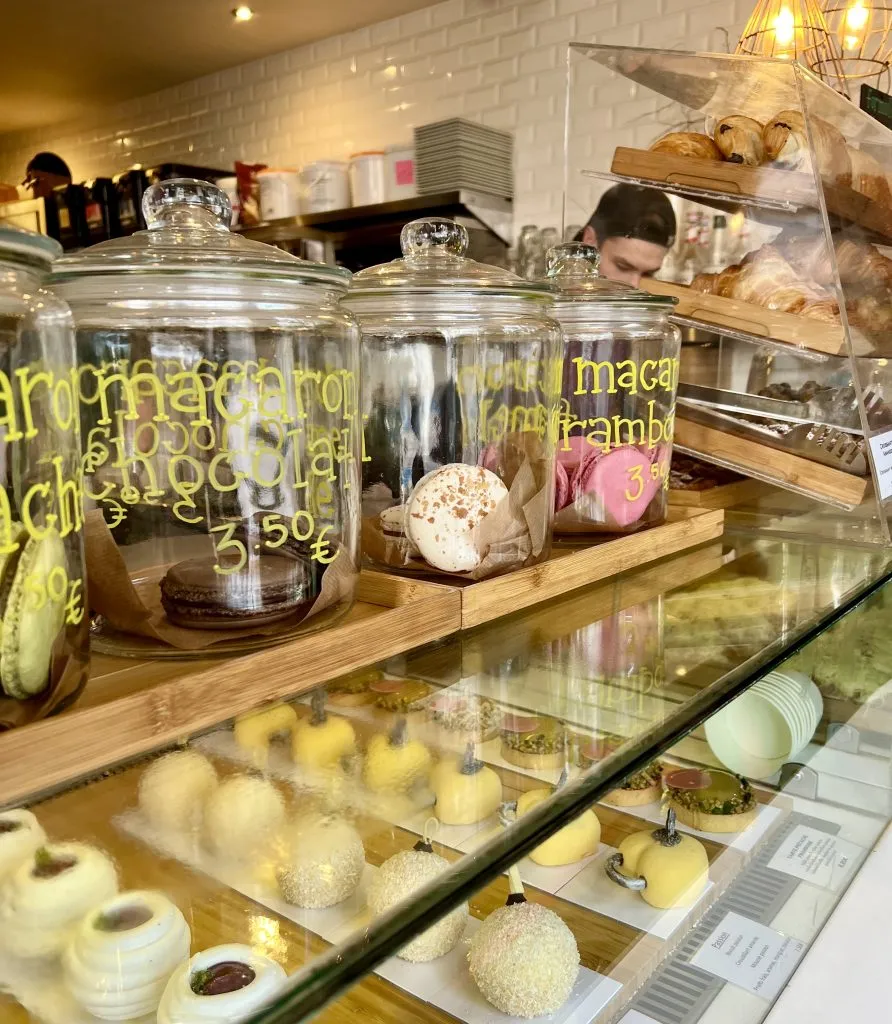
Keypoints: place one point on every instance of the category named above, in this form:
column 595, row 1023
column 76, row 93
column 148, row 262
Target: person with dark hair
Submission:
column 44, row 172
column 633, row 228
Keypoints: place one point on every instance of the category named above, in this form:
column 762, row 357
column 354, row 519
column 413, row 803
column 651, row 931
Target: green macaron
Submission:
column 30, row 626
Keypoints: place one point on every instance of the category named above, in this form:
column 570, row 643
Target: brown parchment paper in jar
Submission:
column 137, row 609
column 70, row 673
column 512, row 535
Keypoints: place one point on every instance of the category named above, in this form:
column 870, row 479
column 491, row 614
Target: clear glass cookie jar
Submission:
column 617, row 409
column 44, row 651
column 461, row 378
column 218, row 381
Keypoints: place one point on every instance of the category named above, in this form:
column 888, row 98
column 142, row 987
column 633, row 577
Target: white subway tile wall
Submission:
column 496, row 61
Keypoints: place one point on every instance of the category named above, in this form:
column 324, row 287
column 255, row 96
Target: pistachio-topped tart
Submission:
column 644, row 787
column 532, row 741
column 711, row 800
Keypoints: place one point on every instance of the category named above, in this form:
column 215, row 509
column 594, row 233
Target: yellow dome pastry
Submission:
column 394, row 763
column 324, row 863
column 644, row 787
column 398, row 877
column 668, row 868
column 534, row 742
column 46, row 896
column 20, row 835
column 242, row 816
column 524, row 959
column 573, row 842
column 711, row 800
column 466, row 790
column 255, row 731
column 174, row 789
column 322, row 740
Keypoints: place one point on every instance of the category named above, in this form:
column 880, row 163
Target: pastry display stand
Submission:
column 721, row 496
column 574, row 565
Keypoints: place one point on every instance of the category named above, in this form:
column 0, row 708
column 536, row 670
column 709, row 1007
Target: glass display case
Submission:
column 575, row 811
column 781, row 264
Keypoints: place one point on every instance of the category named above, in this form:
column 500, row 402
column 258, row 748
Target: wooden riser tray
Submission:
column 721, row 496
column 782, row 468
column 131, row 707
column 717, row 311
column 769, row 185
column 574, row 566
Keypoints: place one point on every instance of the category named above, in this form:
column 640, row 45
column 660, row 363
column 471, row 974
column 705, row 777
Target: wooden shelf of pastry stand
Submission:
column 770, row 186
column 717, row 312
column 721, row 496
column 784, row 469
column 131, row 707
column 575, row 565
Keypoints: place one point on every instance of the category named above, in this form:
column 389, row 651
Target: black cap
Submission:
column 634, row 211
column 49, row 163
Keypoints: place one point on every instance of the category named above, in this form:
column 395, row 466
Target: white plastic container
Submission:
column 400, row 172
column 367, row 179
column 279, row 194
column 324, row 186
column 230, row 187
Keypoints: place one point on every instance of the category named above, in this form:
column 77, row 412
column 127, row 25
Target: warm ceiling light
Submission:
column 864, row 29
column 794, row 30
column 856, row 16
column 785, row 27
column 242, row 13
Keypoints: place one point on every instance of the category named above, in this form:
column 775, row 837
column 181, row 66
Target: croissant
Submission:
column 704, row 283
column 739, row 140
column 868, row 177
column 691, row 144
column 786, row 145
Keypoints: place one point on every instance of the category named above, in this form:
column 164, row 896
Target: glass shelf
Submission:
column 600, row 683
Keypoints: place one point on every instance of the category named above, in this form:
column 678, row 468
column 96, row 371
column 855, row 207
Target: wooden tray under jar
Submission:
column 768, row 186
column 747, row 318
column 784, row 469
column 131, row 707
column 721, row 495
column 574, row 565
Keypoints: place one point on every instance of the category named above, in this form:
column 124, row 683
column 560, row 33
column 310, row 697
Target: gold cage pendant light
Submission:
column 863, row 30
column 794, row 30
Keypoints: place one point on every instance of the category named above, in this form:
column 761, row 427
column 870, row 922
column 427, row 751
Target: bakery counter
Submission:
column 560, row 813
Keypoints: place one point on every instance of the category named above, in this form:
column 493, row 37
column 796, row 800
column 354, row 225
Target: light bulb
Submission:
column 851, row 42
column 857, row 15
column 785, row 27
column 242, row 13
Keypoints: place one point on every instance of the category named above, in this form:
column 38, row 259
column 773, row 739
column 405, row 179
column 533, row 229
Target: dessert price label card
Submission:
column 818, row 857
column 749, row 955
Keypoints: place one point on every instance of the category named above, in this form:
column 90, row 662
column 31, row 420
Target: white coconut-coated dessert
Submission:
column 47, row 895
column 121, row 955
column 324, row 862
column 397, row 878
column 20, row 835
column 173, row 791
column 524, row 960
column 243, row 816
column 220, row 985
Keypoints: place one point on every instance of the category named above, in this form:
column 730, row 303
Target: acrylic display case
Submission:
column 791, row 385
column 344, row 851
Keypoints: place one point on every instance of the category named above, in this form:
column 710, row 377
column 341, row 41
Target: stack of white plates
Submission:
column 458, row 154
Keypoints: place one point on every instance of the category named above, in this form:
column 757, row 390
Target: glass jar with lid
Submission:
column 218, row 382
column 461, row 379
column 44, row 650
column 617, row 410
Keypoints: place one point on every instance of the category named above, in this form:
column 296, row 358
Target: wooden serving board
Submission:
column 717, row 311
column 131, row 707
column 574, row 565
column 766, row 185
column 722, row 495
column 782, row 468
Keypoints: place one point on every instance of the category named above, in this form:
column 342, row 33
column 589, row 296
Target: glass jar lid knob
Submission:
column 573, row 260
column 434, row 236
column 186, row 203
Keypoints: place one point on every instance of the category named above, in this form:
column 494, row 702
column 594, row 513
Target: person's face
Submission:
column 626, row 260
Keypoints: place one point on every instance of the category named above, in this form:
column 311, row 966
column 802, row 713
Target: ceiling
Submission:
column 71, row 57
